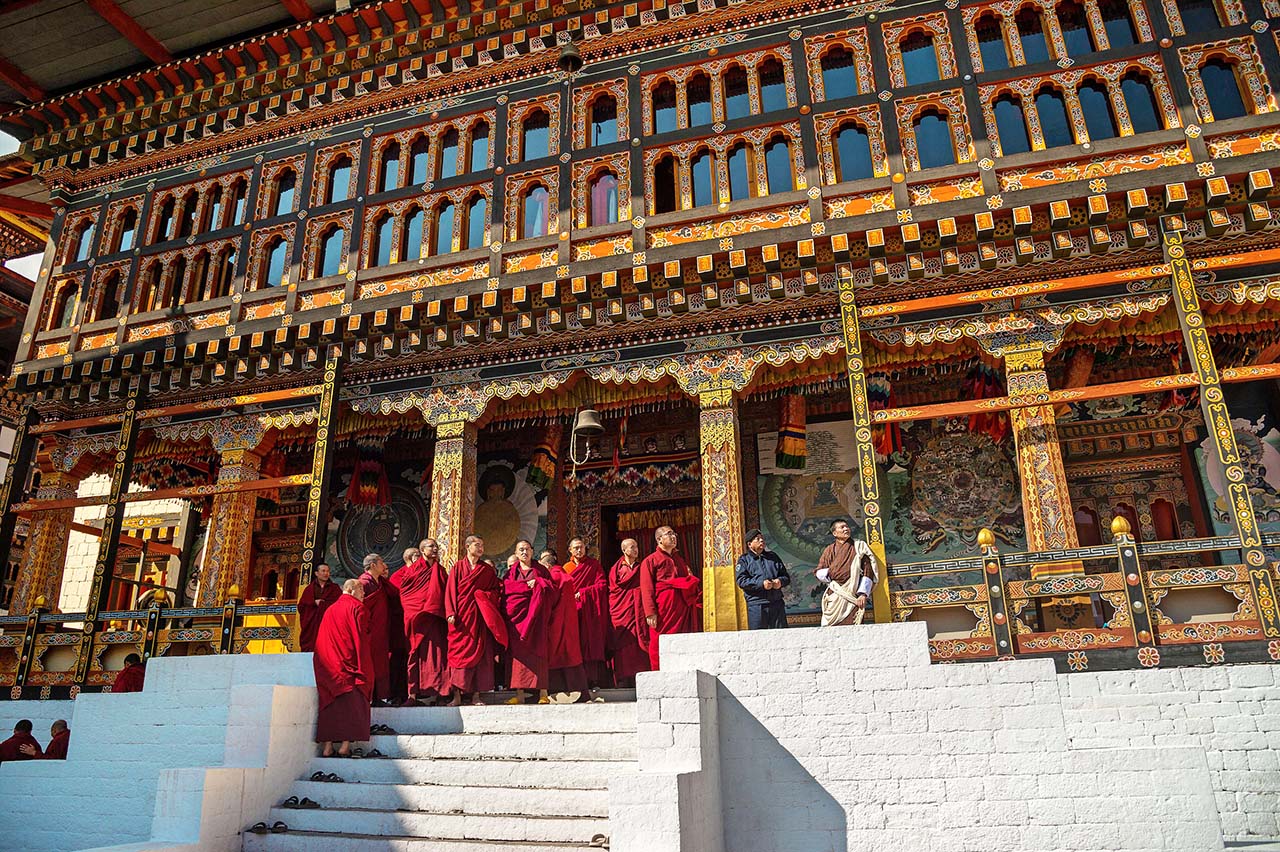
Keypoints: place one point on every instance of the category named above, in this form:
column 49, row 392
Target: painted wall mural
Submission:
column 1259, row 444
column 508, row 509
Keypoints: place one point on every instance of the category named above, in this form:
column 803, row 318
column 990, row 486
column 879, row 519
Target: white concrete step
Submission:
column 461, row 826
column 563, row 774
column 456, row 797
column 506, row 746
column 310, row 841
column 500, row 719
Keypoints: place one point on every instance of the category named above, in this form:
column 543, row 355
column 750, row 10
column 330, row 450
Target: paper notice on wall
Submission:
column 829, row 445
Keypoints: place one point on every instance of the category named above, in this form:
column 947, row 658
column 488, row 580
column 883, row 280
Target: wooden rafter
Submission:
column 13, row 76
column 299, row 9
column 134, row 32
column 13, row 204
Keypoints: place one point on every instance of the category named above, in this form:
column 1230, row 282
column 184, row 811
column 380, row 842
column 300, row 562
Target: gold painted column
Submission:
column 723, row 606
column 45, row 556
column 229, row 543
column 314, row 532
column 1046, row 502
column 453, row 488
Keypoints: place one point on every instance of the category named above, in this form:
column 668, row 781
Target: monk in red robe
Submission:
column 374, row 581
column 312, row 603
column 421, row 584
column 671, row 594
column 344, row 669
column 528, row 598
column 477, row 628
column 629, row 634
column 568, row 677
column 397, row 643
column 131, row 677
column 13, row 748
column 591, row 594
column 59, row 738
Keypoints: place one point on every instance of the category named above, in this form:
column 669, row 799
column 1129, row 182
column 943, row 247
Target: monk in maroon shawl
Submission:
column 629, row 636
column 591, row 594
column 312, row 603
column 397, row 645
column 568, row 677
column 473, row 608
column 12, row 748
column 421, row 583
column 375, row 606
column 131, row 677
column 528, row 598
column 344, row 669
column 671, row 594
column 59, row 738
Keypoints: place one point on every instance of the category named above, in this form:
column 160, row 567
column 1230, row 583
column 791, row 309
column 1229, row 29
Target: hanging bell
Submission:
column 570, row 59
column 587, row 423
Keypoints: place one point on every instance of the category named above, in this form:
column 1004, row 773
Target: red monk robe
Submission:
column 375, row 606
column 421, row 588
column 476, row 628
column 629, row 636
column 528, row 610
column 315, row 599
column 672, row 593
column 344, row 666
column 57, row 749
column 397, row 645
column 592, row 596
column 9, row 749
column 567, row 673
column 130, row 678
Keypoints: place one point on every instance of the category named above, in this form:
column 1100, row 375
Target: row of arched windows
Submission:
column 706, row 176
column 448, row 153
column 1053, row 108
column 694, row 102
column 1035, row 34
column 421, row 232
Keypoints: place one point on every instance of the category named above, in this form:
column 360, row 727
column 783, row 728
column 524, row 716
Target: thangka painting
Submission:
column 1259, row 445
column 508, row 509
column 387, row 530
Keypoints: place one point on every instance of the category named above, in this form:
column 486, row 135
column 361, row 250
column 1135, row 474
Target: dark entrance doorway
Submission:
column 641, row 520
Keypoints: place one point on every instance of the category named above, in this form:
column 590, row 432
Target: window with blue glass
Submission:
column 604, row 199
column 339, row 179
column 1035, row 48
column 839, row 76
column 411, row 234
column 1117, row 20
column 1199, row 16
column 702, row 170
column 1011, row 125
column 663, row 101
column 128, row 231
column 332, row 249
column 773, row 86
column 444, row 228
column 1051, row 109
column 84, row 240
column 919, row 58
column 536, row 213
column 604, row 120
column 187, row 222
column 1099, row 118
column 448, row 165
column 991, row 43
column 740, row 183
column 286, row 185
column 535, row 136
column 211, row 218
column 419, row 160
column 479, row 147
column 777, row 166
column 389, row 172
column 933, row 140
column 853, row 154
column 384, row 229
column 277, row 260
column 477, row 219
column 737, row 93
column 238, row 201
column 698, row 97
column 1222, row 87
column 1075, row 28
column 1140, row 101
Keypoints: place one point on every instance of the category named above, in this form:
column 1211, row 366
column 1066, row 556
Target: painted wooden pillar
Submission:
column 314, row 533
column 229, row 540
column 453, row 488
column 723, row 606
column 15, row 478
column 45, row 556
column 1046, row 503
column 868, row 471
column 1222, row 439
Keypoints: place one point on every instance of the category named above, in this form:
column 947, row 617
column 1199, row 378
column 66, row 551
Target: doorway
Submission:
column 641, row 520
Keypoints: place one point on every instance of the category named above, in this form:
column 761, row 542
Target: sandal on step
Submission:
column 373, row 752
column 356, row 753
column 291, row 802
column 309, row 805
column 600, row 841
column 334, row 778
column 279, row 828
column 318, row 776
column 258, row 828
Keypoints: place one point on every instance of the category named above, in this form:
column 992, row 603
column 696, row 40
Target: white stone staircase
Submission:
column 467, row 779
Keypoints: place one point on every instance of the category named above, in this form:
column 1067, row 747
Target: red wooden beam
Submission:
column 12, row 75
column 299, row 9
column 24, row 207
column 131, row 30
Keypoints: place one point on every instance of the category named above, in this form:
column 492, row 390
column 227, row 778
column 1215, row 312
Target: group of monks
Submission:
column 424, row 634
column 23, row 746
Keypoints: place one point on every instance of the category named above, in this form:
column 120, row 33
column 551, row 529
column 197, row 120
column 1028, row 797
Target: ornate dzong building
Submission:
column 995, row 280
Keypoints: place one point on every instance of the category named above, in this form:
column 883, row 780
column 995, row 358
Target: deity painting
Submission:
column 507, row 509
column 1260, row 459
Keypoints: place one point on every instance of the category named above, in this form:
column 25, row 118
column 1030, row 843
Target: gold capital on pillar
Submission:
column 723, row 607
column 45, row 556
column 453, row 488
column 228, row 550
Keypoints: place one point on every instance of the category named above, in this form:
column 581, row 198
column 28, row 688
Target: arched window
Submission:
column 665, row 185
column 1088, row 530
column 149, row 295
column 933, row 140
column 82, row 246
column 604, row 199
column 197, row 280
column 411, row 237
column 1199, row 16
column 737, row 93
column 991, row 43
column 286, row 185
column 1075, row 28
column 1140, row 100
column 663, row 100
column 1223, row 89
column 448, row 165
column 1035, row 48
column 108, row 297
column 702, row 170
column 698, row 97
column 740, row 183
column 773, row 86
column 1011, row 125
column 1051, row 108
column 1164, row 517
column 175, row 285
column 777, row 166
column 339, row 188
column 536, row 213
column 853, row 154
column 211, row 219
column 332, row 250
column 419, row 157
column 839, row 77
column 224, row 272
column 187, row 224
column 62, row 306
column 277, row 261
column 535, row 136
column 384, row 227
column 269, row 582
column 443, row 237
column 604, row 120
column 389, row 171
column 236, row 202
column 479, row 147
column 164, row 222
column 1099, row 120
column 477, row 219
column 919, row 58
column 1117, row 20
column 128, row 229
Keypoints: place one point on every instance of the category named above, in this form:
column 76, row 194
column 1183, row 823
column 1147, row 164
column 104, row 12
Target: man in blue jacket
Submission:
column 762, row 577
